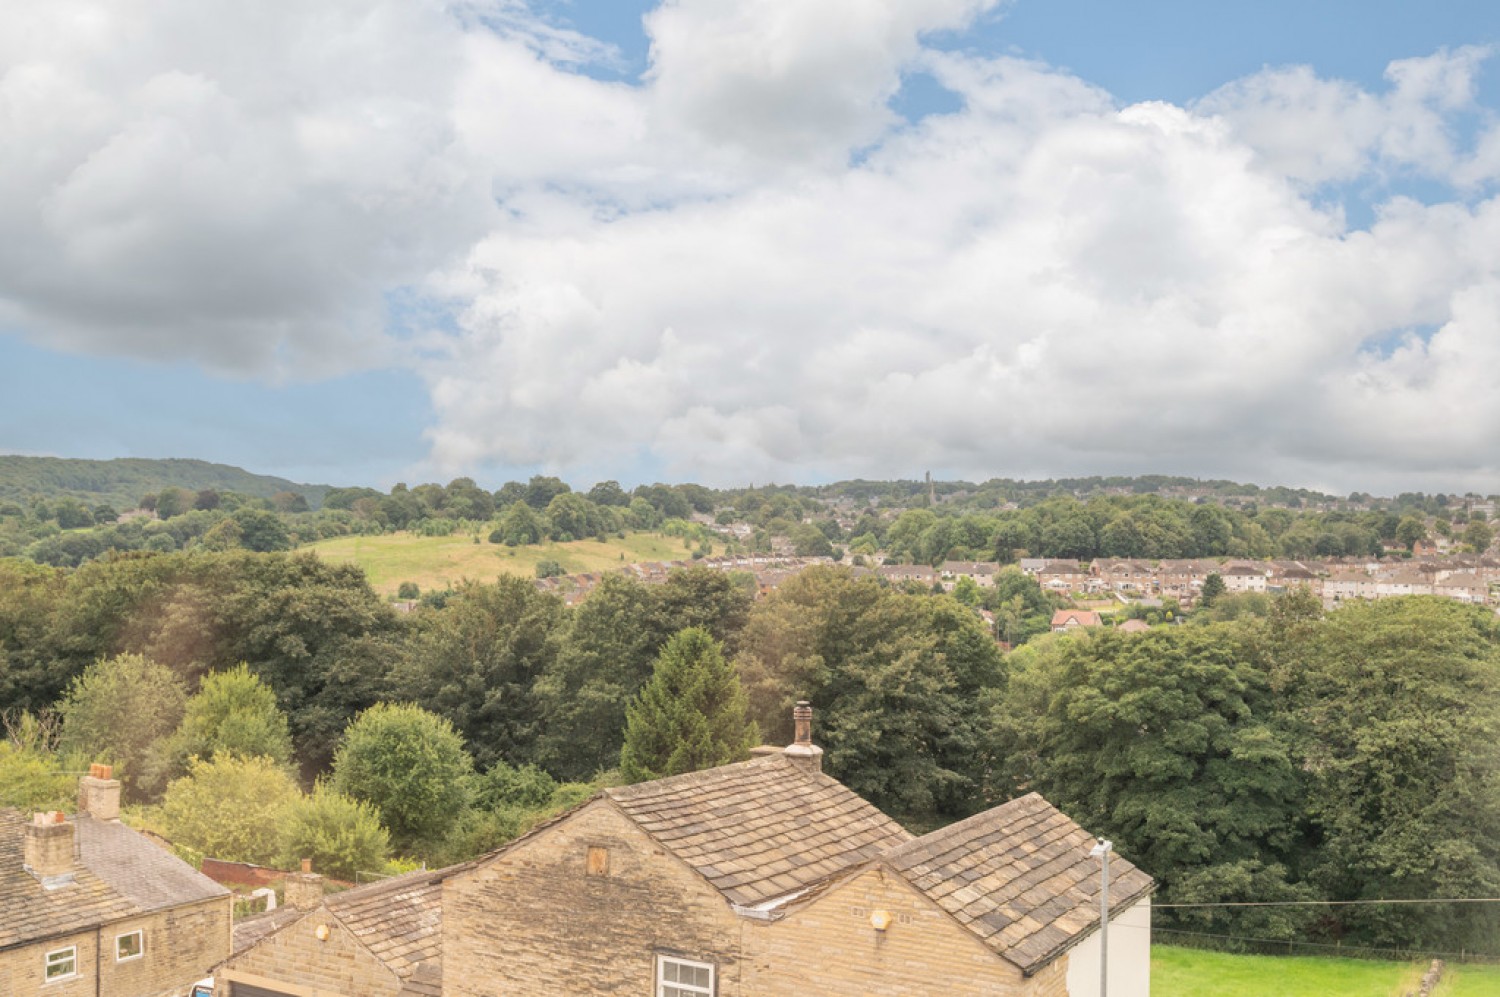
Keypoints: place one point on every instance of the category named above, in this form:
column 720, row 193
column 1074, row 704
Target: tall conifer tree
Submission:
column 691, row 715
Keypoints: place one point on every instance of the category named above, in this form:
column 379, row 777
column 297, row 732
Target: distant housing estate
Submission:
column 1465, row 577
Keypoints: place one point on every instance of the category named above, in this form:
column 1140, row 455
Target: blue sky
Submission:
column 305, row 368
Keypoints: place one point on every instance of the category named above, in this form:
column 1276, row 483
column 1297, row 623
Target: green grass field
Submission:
column 1184, row 972
column 436, row 563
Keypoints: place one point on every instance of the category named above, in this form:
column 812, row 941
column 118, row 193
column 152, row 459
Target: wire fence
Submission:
column 1243, row 944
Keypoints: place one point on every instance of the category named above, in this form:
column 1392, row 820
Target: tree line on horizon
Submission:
column 65, row 532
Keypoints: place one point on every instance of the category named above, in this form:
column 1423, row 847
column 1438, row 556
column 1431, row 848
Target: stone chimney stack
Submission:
column 48, row 851
column 802, row 750
column 99, row 794
column 303, row 890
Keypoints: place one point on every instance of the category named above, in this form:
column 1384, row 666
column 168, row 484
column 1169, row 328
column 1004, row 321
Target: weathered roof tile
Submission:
column 1029, row 887
column 760, row 829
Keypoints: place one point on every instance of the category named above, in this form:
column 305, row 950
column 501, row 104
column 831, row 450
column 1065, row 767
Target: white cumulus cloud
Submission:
column 745, row 266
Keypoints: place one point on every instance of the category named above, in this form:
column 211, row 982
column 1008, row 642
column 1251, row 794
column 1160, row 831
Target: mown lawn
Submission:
column 1184, row 972
column 1470, row 981
column 436, row 563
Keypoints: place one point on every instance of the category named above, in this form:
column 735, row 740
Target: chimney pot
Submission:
column 802, row 751
column 802, row 721
column 307, row 865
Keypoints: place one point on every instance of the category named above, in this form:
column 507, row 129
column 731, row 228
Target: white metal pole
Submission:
column 1101, row 852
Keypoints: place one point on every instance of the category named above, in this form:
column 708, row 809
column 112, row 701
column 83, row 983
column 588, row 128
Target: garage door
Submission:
column 246, row 990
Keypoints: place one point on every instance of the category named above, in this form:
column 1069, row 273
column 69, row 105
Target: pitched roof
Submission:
column 252, row 928
column 400, row 920
column 144, row 873
column 760, row 829
column 1078, row 617
column 1019, row 877
column 117, row 873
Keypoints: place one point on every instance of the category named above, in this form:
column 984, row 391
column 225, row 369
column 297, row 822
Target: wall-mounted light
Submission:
column 321, row 931
column 880, row 919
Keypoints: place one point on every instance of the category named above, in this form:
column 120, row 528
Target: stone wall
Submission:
column 830, row 947
column 180, row 946
column 21, row 969
column 534, row 922
column 294, row 960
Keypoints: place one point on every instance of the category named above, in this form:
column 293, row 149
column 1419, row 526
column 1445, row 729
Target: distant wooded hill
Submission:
column 121, row 482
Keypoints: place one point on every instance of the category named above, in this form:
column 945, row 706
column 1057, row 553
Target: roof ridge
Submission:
column 715, row 774
column 959, row 826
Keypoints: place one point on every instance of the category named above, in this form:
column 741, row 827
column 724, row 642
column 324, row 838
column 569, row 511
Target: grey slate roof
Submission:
column 117, row 873
column 146, row 874
column 769, row 833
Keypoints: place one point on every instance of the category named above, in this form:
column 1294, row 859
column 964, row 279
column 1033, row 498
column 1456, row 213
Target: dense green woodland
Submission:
column 1268, row 753
column 120, row 482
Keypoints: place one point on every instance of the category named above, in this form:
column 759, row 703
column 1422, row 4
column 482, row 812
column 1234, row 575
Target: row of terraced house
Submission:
column 1466, row 578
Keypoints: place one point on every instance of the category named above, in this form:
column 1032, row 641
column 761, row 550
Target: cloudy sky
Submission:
column 361, row 241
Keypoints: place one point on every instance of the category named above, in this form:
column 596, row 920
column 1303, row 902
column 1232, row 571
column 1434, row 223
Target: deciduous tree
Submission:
column 341, row 835
column 411, row 766
column 230, row 808
column 118, row 710
column 233, row 712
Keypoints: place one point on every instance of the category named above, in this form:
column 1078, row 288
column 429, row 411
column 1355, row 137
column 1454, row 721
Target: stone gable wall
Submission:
column 295, row 961
column 830, row 947
column 535, row 923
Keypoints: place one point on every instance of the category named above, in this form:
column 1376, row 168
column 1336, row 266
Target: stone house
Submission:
column 1063, row 575
column 1243, row 578
column 379, row 940
column 763, row 878
column 982, row 573
column 896, row 574
column 89, row 906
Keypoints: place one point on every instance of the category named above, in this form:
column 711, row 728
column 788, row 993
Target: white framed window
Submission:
column 61, row 964
column 683, row 977
column 131, row 945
